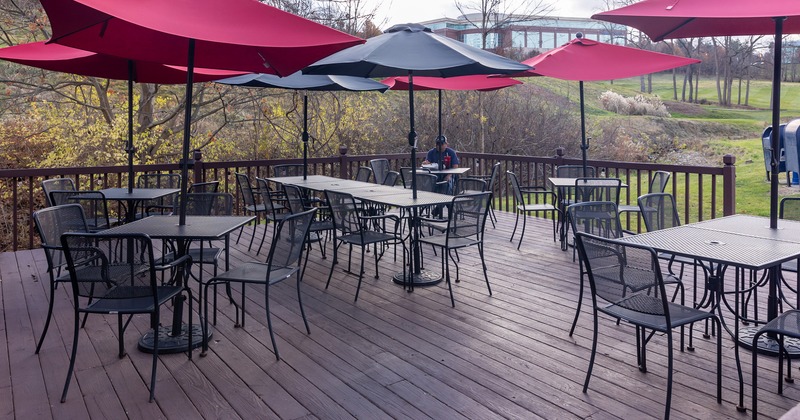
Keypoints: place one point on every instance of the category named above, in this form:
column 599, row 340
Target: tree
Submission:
column 491, row 15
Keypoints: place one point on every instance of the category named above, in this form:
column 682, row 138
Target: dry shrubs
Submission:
column 638, row 105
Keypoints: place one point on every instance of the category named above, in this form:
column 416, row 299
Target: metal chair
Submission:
column 363, row 174
column 490, row 186
column 597, row 189
column 116, row 274
column 628, row 279
column 465, row 227
column 571, row 171
column 295, row 203
column 391, row 178
column 658, row 183
column 380, row 167
column 288, row 169
column 163, row 205
column 51, row 223
column 204, row 187
column 354, row 228
column 785, row 325
column 274, row 212
column 405, row 175
column 471, row 186
column 283, row 263
column 56, row 184
column 251, row 204
column 543, row 199
column 94, row 204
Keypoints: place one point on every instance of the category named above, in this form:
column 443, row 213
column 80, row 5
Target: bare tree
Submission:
column 492, row 15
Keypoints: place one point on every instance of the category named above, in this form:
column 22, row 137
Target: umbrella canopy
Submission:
column 586, row 60
column 667, row 19
column 413, row 50
column 300, row 81
column 60, row 58
column 243, row 35
column 477, row 82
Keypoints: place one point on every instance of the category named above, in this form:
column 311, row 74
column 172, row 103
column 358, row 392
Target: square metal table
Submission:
column 130, row 200
column 175, row 338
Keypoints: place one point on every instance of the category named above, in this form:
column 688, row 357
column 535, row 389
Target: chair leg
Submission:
column 49, row 316
column 72, row 357
column 445, row 256
column 333, row 263
column 253, row 236
column 580, row 301
column 300, row 302
column 121, row 330
column 485, row 271
column 269, row 323
column 264, row 235
column 594, row 352
column 522, row 234
column 669, row 374
column 516, row 222
column 361, row 271
column 155, row 361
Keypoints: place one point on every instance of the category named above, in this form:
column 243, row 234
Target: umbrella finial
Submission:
column 410, row 27
column 579, row 35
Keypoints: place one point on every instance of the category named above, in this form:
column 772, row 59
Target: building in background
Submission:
column 529, row 36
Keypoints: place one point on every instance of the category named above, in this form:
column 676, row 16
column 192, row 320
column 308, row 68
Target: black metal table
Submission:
column 743, row 242
column 130, row 200
column 389, row 196
column 175, row 338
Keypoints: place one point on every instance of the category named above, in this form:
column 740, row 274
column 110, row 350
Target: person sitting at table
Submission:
column 445, row 157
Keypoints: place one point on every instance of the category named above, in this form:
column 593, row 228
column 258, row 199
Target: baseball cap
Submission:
column 441, row 140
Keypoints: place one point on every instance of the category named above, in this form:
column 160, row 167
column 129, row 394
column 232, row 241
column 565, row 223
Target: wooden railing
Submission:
column 701, row 192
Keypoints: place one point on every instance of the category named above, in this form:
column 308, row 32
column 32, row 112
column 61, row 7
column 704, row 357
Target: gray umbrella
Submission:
column 413, row 50
column 299, row 81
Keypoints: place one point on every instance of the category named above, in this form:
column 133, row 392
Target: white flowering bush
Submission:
column 638, row 105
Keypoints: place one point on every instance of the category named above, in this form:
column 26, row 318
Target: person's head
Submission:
column 441, row 143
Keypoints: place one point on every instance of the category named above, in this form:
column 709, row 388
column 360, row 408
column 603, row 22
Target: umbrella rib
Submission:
column 55, row 39
column 666, row 34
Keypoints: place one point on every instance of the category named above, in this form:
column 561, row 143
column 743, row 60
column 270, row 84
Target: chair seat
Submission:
column 369, row 237
column 441, row 240
column 628, row 208
column 679, row 314
column 635, row 280
column 788, row 323
column 536, row 207
column 321, row 225
column 789, row 266
column 207, row 255
column 119, row 302
column 256, row 272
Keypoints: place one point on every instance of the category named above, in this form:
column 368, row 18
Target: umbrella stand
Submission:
column 187, row 120
column 129, row 147
column 584, row 145
column 305, row 135
column 776, row 124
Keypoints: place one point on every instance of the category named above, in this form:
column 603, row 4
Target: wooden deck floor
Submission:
column 392, row 354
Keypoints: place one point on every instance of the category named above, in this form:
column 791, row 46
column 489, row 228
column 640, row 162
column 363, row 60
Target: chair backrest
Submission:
column 627, row 275
column 391, row 178
column 597, row 189
column 471, row 185
column 659, row 211
column 288, row 169
column 288, row 243
column 467, row 216
column 575, row 171
column 659, row 182
column 159, row 181
column 363, row 174
column 245, row 189
column 209, row 204
column 595, row 217
column 294, row 198
column 515, row 187
column 56, row 184
column 493, row 177
column 426, row 182
column 93, row 203
column 344, row 212
column 266, row 197
column 380, row 167
column 204, row 187
column 790, row 208
column 51, row 223
column 110, row 266
column 405, row 175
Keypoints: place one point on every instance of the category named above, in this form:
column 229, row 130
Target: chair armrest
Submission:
column 167, row 265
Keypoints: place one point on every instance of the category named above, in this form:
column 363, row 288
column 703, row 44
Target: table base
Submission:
column 421, row 279
column 168, row 343
column 768, row 345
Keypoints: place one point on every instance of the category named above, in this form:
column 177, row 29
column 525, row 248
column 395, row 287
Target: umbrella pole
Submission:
column 187, row 121
column 440, row 114
column 412, row 135
column 129, row 147
column 776, row 124
column 584, row 146
column 305, row 135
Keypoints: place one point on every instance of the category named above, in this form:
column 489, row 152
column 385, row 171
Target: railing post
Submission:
column 729, row 185
column 559, row 158
column 344, row 168
column 197, row 170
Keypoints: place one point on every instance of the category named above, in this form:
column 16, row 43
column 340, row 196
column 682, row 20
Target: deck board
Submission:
column 391, row 354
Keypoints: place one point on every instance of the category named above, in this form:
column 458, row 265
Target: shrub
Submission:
column 638, row 105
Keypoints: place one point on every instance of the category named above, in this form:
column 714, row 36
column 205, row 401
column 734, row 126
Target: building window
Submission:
column 548, row 40
column 561, row 39
column 533, row 40
column 518, row 39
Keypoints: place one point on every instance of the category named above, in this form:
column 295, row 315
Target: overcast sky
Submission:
column 404, row 11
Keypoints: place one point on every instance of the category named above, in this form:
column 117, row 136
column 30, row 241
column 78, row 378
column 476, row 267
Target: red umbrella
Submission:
column 65, row 59
column 667, row 19
column 477, row 82
column 585, row 60
column 243, row 35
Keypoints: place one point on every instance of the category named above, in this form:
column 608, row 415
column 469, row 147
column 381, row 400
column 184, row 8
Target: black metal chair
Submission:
column 627, row 284
column 283, row 262
column 543, row 201
column 391, row 178
column 364, row 173
column 471, row 186
column 597, row 189
column 251, row 203
column 380, row 167
column 94, row 204
column 658, row 183
column 163, row 205
column 465, row 227
column 273, row 212
column 355, row 228
column 405, row 176
column 320, row 230
column 288, row 169
column 491, row 182
column 51, row 223
column 204, row 187
column 785, row 325
column 572, row 171
column 56, row 184
column 116, row 274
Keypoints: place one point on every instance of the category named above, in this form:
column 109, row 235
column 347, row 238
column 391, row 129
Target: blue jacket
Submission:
column 434, row 156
